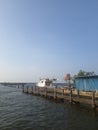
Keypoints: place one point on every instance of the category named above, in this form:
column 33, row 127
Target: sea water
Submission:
column 20, row 111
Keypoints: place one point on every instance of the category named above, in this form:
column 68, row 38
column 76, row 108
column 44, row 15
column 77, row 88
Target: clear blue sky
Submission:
column 47, row 38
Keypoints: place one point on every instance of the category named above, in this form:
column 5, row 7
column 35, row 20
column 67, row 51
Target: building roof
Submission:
column 86, row 77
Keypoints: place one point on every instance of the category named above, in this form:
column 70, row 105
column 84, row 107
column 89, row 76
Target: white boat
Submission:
column 46, row 83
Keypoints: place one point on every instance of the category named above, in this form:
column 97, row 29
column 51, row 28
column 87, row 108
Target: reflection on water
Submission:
column 19, row 111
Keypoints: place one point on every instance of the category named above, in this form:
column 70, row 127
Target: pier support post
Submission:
column 22, row 87
column 54, row 96
column 27, row 89
column 70, row 95
column 78, row 93
column 45, row 92
column 93, row 100
column 35, row 88
column 18, row 86
column 38, row 90
column 63, row 93
column 32, row 89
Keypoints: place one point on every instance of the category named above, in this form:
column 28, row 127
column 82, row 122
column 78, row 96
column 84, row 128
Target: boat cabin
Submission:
column 45, row 83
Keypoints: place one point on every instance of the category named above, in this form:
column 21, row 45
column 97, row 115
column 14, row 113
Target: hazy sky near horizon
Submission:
column 47, row 38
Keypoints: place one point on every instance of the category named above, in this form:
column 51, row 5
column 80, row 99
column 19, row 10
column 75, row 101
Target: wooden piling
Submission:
column 22, row 87
column 45, row 91
column 35, row 90
column 93, row 100
column 27, row 90
column 70, row 95
column 32, row 89
column 38, row 89
column 78, row 93
column 63, row 93
column 54, row 92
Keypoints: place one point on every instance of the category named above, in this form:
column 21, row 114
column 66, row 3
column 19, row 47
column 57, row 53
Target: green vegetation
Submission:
column 83, row 73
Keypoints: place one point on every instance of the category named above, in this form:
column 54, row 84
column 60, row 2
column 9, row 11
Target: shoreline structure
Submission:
column 72, row 96
column 85, row 91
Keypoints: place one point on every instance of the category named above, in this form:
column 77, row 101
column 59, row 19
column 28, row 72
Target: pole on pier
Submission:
column 54, row 93
column 32, row 89
column 35, row 89
column 78, row 93
column 38, row 90
column 23, row 87
column 27, row 89
column 70, row 95
column 45, row 92
column 63, row 92
column 18, row 85
column 93, row 100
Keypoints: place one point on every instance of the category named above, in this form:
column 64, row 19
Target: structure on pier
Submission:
column 87, row 83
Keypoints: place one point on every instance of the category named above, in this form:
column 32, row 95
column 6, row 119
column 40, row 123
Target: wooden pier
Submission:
column 72, row 96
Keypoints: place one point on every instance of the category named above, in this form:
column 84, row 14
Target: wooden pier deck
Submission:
column 72, row 96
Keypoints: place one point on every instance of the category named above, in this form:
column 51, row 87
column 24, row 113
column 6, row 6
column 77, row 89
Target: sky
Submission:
column 47, row 39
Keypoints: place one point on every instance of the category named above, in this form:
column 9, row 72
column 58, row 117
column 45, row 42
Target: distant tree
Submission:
column 90, row 73
column 83, row 73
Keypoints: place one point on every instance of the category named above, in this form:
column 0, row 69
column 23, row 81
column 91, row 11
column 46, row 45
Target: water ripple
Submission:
column 19, row 111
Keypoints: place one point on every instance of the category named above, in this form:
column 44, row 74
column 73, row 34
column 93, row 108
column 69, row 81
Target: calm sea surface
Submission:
column 19, row 111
